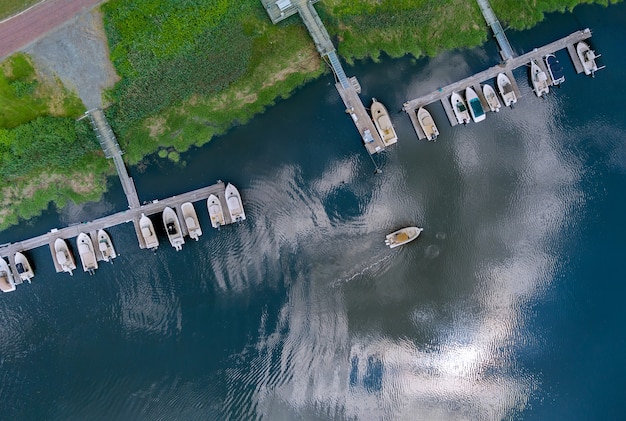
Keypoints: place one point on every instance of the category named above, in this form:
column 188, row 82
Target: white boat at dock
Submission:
column 106, row 246
column 147, row 232
column 216, row 213
column 172, row 227
column 555, row 69
column 7, row 283
column 475, row 107
column 233, row 201
column 402, row 236
column 459, row 108
column 491, row 98
column 539, row 79
column 24, row 268
column 64, row 256
column 427, row 124
column 191, row 220
column 87, row 253
column 588, row 58
column 381, row 119
column 506, row 90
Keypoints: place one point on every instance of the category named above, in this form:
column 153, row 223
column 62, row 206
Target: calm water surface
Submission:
column 509, row 306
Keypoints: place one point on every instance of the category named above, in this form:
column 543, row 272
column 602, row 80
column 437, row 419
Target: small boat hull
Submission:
column 492, row 98
column 64, row 256
column 147, row 232
column 505, row 87
column 235, row 206
column 87, row 253
column 172, row 227
column 7, row 283
column 381, row 119
column 402, row 236
column 587, row 57
column 554, row 69
column 475, row 107
column 427, row 124
column 216, row 213
column 539, row 79
column 105, row 246
column 24, row 268
column 460, row 109
column 190, row 219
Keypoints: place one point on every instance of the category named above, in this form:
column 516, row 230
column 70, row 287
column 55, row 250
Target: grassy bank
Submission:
column 11, row 7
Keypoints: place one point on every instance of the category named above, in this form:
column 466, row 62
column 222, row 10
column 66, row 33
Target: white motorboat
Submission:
column 459, row 108
column 506, row 90
column 87, row 253
column 7, row 283
column 172, row 227
column 402, row 236
column 588, row 58
column 492, row 98
column 427, row 124
column 475, row 107
column 24, row 268
column 233, row 201
column 380, row 115
column 64, row 256
column 555, row 69
column 191, row 220
column 216, row 213
column 147, row 232
column 539, row 79
column 106, row 246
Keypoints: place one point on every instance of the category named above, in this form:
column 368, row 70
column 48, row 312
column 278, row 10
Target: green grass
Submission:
column 11, row 7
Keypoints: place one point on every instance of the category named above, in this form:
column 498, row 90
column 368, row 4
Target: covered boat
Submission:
column 380, row 115
column 191, row 220
column 539, row 79
column 233, row 201
column 172, row 227
column 402, row 236
column 87, row 253
column 147, row 232
column 506, row 90
column 427, row 124
column 555, row 69
column 587, row 57
column 475, row 107
column 459, row 108
column 491, row 98
column 23, row 266
column 106, row 246
column 63, row 256
column 7, row 283
column 216, row 213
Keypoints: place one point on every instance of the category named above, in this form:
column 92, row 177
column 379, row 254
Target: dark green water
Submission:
column 509, row 306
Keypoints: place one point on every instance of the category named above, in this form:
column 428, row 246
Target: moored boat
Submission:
column 87, row 253
column 7, row 283
column 191, row 220
column 402, row 236
column 427, row 124
column 555, row 69
column 172, row 227
column 216, row 213
column 233, row 201
column 539, row 79
column 23, row 266
column 506, row 90
column 475, row 107
column 147, row 232
column 459, row 108
column 492, row 98
column 106, row 246
column 64, row 256
column 380, row 115
column 587, row 57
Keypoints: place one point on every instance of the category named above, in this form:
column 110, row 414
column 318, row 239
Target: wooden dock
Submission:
column 443, row 94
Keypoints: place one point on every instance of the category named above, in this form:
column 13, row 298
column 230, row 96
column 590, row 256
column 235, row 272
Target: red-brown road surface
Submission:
column 21, row 30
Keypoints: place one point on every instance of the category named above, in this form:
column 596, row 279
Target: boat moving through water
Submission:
column 24, row 268
column 216, row 213
column 539, row 79
column 555, row 69
column 172, row 227
column 64, row 257
column 233, row 201
column 87, row 253
column 147, row 232
column 191, row 220
column 459, row 108
column 506, row 90
column 475, row 107
column 380, row 115
column 7, row 283
column 427, row 124
column 106, row 246
column 492, row 98
column 402, row 236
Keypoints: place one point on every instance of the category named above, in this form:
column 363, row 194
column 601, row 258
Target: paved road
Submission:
column 21, row 30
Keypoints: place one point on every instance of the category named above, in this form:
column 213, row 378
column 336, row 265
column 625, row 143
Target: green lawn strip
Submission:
column 12, row 7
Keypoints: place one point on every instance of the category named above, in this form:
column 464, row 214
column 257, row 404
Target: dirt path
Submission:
column 23, row 29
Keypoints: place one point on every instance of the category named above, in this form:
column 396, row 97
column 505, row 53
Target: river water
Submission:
column 509, row 306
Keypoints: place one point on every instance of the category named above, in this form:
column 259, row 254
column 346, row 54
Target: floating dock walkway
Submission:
column 443, row 94
column 505, row 47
